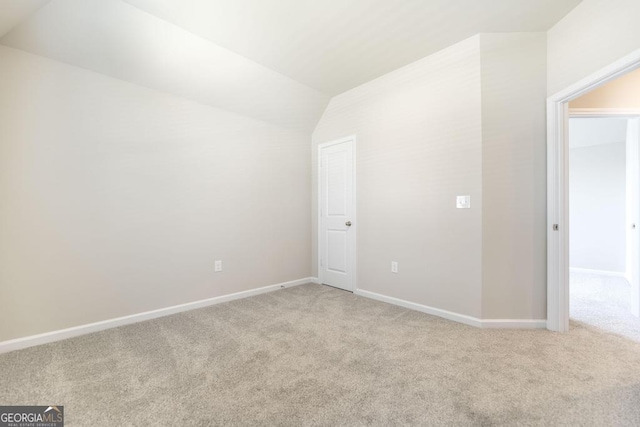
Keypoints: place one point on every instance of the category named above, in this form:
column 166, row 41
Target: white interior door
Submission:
column 336, row 218
column 633, row 213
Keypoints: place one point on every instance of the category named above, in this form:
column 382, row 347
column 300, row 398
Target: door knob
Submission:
column 348, row 223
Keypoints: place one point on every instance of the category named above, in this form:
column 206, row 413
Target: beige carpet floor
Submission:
column 314, row 355
column 603, row 302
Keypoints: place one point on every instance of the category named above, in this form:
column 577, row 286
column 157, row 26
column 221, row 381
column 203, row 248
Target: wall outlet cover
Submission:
column 463, row 202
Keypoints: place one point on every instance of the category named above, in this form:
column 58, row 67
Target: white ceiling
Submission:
column 278, row 61
column 335, row 45
column 587, row 132
column 116, row 39
column 12, row 12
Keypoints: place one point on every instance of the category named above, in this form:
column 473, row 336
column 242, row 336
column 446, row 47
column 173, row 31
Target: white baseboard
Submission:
column 598, row 272
column 457, row 317
column 315, row 280
column 514, row 324
column 62, row 334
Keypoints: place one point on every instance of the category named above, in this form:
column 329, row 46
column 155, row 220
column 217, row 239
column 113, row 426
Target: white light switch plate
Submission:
column 218, row 266
column 463, row 202
column 394, row 266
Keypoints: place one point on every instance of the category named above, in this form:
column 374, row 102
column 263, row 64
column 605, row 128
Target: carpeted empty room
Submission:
column 314, row 355
column 319, row 213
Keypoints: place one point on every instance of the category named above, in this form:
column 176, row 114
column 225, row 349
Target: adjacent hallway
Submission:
column 603, row 302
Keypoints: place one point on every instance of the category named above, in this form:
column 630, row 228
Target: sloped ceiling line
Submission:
column 278, row 61
column 336, row 45
column 116, row 39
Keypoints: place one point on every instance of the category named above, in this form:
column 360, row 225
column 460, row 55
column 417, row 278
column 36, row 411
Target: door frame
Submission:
column 558, row 186
column 354, row 227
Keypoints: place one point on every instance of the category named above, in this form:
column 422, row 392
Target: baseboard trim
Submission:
column 514, row 324
column 449, row 315
column 457, row 317
column 315, row 280
column 598, row 272
column 62, row 334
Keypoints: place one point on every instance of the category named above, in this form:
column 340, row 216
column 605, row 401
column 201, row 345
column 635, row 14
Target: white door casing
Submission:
column 633, row 212
column 336, row 214
column 558, row 187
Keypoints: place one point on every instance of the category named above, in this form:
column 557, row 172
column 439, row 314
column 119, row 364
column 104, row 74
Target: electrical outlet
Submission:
column 218, row 266
column 394, row 266
column 463, row 202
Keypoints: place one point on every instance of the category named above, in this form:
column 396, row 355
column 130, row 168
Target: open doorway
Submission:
column 594, row 170
column 603, row 193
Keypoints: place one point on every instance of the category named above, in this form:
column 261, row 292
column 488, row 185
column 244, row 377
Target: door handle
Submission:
column 348, row 223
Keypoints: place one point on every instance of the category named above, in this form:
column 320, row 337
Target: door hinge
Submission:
column 320, row 262
column 556, row 227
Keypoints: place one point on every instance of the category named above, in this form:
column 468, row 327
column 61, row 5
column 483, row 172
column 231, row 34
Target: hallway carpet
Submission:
column 314, row 355
column 603, row 302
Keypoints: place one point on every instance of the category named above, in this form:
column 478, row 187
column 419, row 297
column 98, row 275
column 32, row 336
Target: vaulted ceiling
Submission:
column 278, row 61
column 335, row 45
column 114, row 38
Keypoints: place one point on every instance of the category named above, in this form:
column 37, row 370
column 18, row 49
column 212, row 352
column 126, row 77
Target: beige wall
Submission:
column 467, row 120
column 513, row 176
column 597, row 205
column 117, row 199
column 595, row 34
column 418, row 146
column 623, row 93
